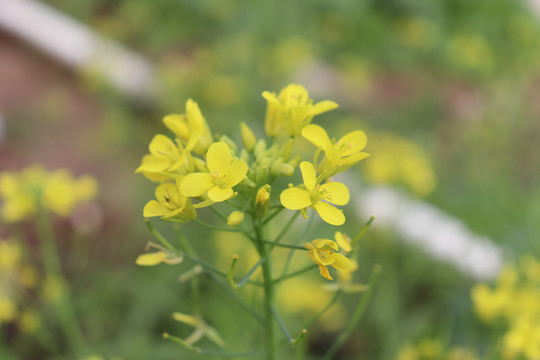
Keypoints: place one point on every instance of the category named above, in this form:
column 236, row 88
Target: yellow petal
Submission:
column 160, row 145
column 186, row 319
column 341, row 262
column 235, row 173
column 218, row 156
column 271, row 97
column 356, row 141
column 155, row 208
column 353, row 159
column 151, row 258
column 295, row 198
column 319, row 243
column 218, row 194
column 316, row 135
column 329, row 213
column 343, row 241
column 308, row 174
column 338, row 193
column 196, row 184
column 153, row 163
column 177, row 124
column 323, row 270
column 167, row 193
column 324, row 106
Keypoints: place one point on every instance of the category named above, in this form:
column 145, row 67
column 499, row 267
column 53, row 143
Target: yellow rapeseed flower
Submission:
column 165, row 157
column 170, row 204
column 8, row 310
column 292, row 110
column 340, row 155
column 191, row 126
column 298, row 198
column 323, row 252
column 224, row 173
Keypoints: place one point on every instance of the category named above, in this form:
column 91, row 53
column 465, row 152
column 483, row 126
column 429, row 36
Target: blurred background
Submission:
column 448, row 93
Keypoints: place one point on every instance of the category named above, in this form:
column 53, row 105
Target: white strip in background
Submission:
column 77, row 46
column 439, row 234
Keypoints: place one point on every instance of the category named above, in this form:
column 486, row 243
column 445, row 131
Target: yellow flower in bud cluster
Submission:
column 340, row 155
column 323, row 252
column 313, row 194
column 291, row 110
column 189, row 124
column 170, row 204
column 224, row 173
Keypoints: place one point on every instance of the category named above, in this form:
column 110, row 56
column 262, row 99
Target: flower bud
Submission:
column 263, row 171
column 287, row 149
column 276, row 167
column 227, row 140
column 260, row 147
column 286, row 170
column 235, row 218
column 248, row 138
column 262, row 201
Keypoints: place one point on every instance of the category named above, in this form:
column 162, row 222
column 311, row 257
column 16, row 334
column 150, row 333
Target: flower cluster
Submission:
column 196, row 169
column 23, row 193
column 515, row 300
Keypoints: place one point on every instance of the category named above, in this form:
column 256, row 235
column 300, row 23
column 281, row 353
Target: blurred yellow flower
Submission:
column 398, row 160
column 29, row 321
column 61, row 192
column 224, row 173
column 235, row 218
column 297, row 198
column 24, row 192
column 10, row 255
column 53, row 290
column 323, row 252
column 340, row 155
column 8, row 310
column 292, row 110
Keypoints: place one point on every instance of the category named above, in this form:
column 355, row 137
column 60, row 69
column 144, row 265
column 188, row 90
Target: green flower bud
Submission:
column 235, row 218
column 248, row 138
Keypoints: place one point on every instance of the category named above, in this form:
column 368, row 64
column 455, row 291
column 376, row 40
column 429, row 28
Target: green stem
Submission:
column 301, row 271
column 160, row 237
column 219, row 228
column 291, row 253
column 250, row 272
column 286, row 228
column 282, row 325
column 289, row 246
column 64, row 307
column 272, row 215
column 357, row 315
column 268, row 291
